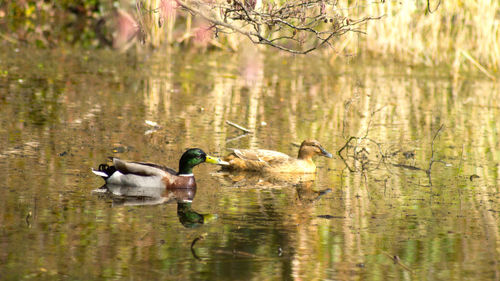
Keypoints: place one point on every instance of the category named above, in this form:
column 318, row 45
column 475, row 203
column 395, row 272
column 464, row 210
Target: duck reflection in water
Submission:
column 255, row 179
column 142, row 196
column 189, row 218
column 307, row 194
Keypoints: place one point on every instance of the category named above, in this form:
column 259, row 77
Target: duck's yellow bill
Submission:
column 215, row 160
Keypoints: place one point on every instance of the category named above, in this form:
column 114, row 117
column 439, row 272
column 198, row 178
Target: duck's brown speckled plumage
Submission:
column 270, row 161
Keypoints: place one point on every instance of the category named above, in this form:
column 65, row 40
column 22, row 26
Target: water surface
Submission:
column 65, row 111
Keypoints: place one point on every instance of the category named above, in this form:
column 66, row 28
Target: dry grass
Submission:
column 463, row 34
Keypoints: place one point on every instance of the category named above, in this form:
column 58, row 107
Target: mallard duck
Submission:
column 270, row 161
column 153, row 175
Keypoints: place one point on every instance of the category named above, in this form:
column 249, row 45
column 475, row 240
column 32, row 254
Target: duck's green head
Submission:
column 193, row 157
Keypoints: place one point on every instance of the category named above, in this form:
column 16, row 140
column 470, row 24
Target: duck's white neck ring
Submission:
column 185, row 175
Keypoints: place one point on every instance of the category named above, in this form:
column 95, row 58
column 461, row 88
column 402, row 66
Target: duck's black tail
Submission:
column 104, row 170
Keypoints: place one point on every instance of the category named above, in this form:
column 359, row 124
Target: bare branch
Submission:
column 429, row 7
column 318, row 22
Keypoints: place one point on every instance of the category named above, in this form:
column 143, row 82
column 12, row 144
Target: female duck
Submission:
column 269, row 161
column 153, row 175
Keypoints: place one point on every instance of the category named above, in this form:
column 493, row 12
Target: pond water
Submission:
column 63, row 112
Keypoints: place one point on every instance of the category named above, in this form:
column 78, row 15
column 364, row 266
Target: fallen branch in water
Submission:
column 397, row 261
column 238, row 127
column 361, row 155
column 409, row 167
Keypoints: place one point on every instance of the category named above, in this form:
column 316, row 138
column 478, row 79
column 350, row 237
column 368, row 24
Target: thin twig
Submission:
column 477, row 64
column 431, row 161
column 458, row 171
column 360, row 155
column 397, row 261
column 236, row 138
column 339, row 153
column 193, row 252
column 429, row 7
column 371, row 119
column 460, row 163
column 238, row 127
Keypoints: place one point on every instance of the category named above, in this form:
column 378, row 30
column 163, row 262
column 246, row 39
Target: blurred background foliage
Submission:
column 462, row 35
column 52, row 23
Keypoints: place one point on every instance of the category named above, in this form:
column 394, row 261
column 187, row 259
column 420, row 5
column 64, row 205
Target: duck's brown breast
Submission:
column 180, row 182
column 293, row 166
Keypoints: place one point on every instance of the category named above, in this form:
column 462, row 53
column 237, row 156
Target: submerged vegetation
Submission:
column 464, row 36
